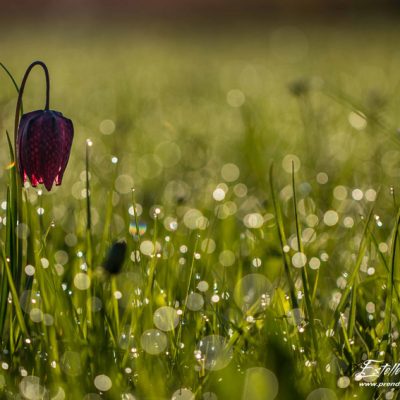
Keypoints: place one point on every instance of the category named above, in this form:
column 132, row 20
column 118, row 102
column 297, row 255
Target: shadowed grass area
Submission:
column 252, row 172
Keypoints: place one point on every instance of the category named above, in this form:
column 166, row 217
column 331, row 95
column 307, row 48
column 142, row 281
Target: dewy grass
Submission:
column 210, row 301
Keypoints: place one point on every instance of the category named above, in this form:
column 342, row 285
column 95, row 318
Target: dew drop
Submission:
column 331, row 218
column 31, row 389
column 260, row 384
column 343, row 382
column 195, row 302
column 322, row 394
column 202, row 286
column 183, row 394
column 299, row 260
column 166, row 318
column 102, row 383
column 30, row 270
column 252, row 291
column 215, row 352
column 82, row 281
column 153, row 341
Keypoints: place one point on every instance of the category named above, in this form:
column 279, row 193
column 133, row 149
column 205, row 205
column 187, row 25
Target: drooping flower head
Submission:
column 43, row 147
column 115, row 257
column 43, row 140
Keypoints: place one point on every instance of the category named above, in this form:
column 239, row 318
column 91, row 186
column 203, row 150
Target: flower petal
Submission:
column 44, row 145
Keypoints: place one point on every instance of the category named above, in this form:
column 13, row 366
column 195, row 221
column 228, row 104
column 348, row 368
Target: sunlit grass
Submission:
column 256, row 188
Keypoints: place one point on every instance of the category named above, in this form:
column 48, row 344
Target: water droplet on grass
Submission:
column 208, row 246
column 209, row 396
column 218, row 194
column 36, row 315
column 31, row 389
column 322, row 394
column 202, row 286
column 343, row 382
column 251, row 291
column 295, row 316
column 215, row 298
column 123, row 184
column 102, row 383
column 82, row 281
column 331, row 218
column 230, row 172
column 153, row 341
column 30, row 270
column 195, row 302
column 127, row 396
column 260, row 384
column 60, row 394
column 253, row 220
column 107, row 127
column 134, row 231
column 299, row 260
column 227, row 258
column 215, row 353
column 235, row 98
column 96, row 303
column 357, row 120
column 183, row 394
column 22, row 231
column 290, row 160
column 193, row 219
column 166, row 318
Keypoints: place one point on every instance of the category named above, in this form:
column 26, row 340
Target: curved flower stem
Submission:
column 21, row 92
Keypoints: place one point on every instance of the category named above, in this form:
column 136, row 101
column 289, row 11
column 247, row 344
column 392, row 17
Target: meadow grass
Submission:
column 253, row 174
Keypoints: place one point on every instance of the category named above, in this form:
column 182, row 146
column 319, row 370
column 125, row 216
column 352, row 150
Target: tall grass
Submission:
column 239, row 282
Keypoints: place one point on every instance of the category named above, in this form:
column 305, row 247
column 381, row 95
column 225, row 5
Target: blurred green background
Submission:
column 171, row 103
column 176, row 102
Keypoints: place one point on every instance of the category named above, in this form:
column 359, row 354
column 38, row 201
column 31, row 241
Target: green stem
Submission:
column 304, row 275
column 21, row 92
column 282, row 239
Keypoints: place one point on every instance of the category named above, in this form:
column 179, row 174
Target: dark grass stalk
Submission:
column 282, row 239
column 89, row 240
column 105, row 238
column 88, row 206
column 304, row 275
